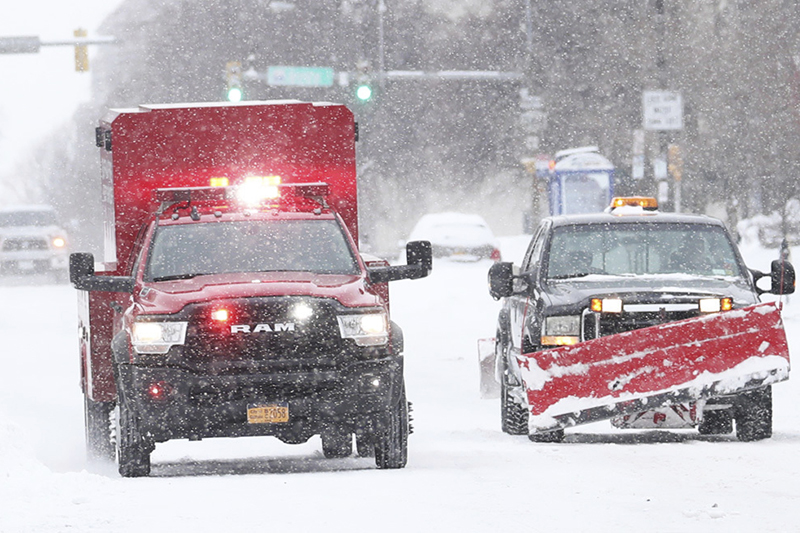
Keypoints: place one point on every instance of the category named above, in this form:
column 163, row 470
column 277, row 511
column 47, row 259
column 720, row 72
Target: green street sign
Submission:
column 300, row 76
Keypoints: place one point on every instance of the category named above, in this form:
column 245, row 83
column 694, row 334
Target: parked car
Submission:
column 458, row 236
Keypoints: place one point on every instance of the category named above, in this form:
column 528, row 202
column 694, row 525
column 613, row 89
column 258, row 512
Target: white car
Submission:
column 32, row 242
column 459, row 236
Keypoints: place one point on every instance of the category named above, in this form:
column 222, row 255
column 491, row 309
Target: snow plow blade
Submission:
column 490, row 388
column 678, row 362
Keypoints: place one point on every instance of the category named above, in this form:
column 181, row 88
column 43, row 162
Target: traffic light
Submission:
column 364, row 88
column 364, row 91
column 81, row 52
column 233, row 75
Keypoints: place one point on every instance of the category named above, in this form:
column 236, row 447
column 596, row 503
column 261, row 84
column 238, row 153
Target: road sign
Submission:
column 663, row 110
column 300, row 76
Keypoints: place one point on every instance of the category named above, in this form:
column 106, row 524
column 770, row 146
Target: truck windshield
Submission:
column 641, row 249
column 188, row 250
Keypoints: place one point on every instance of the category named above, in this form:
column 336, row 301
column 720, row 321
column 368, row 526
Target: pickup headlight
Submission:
column 562, row 325
column 561, row 330
column 157, row 337
column 368, row 329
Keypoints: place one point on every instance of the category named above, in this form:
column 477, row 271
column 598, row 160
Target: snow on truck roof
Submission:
column 146, row 108
column 638, row 217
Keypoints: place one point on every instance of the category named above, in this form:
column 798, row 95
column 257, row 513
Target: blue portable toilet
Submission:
column 581, row 181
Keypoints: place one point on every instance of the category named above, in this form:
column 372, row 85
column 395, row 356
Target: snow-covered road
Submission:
column 463, row 473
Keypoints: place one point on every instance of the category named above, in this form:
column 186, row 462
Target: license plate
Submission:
column 271, row 413
column 25, row 265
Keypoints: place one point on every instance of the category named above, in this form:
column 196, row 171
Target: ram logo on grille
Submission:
column 263, row 328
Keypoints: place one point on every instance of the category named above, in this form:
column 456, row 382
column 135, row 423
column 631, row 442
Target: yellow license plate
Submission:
column 272, row 413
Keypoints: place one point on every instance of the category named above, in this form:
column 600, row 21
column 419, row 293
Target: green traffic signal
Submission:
column 364, row 92
column 235, row 94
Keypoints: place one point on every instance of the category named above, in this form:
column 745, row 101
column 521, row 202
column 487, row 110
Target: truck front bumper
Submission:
column 174, row 403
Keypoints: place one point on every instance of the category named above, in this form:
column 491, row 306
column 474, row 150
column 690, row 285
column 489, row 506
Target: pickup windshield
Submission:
column 188, row 250
column 641, row 249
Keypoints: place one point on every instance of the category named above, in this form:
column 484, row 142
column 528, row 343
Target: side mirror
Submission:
column 420, row 263
column 83, row 278
column 501, row 280
column 419, row 253
column 783, row 277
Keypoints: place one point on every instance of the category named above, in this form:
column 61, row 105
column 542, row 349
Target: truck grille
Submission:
column 24, row 244
column 602, row 324
column 265, row 332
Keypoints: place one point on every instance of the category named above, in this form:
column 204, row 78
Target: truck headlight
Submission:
column 562, row 325
column 561, row 330
column 157, row 337
column 368, row 329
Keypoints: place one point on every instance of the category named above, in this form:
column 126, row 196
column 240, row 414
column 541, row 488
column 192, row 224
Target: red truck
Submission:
column 232, row 299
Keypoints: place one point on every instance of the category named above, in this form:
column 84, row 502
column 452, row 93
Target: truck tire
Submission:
column 133, row 451
column 391, row 447
column 97, row 422
column 754, row 414
column 336, row 444
column 716, row 422
column 513, row 416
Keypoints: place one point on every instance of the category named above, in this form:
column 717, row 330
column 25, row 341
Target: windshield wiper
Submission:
column 180, row 276
column 576, row 275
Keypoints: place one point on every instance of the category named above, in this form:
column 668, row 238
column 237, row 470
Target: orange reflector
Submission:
column 219, row 182
column 549, row 340
column 726, row 304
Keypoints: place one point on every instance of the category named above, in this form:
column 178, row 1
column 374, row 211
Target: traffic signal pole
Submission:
column 31, row 44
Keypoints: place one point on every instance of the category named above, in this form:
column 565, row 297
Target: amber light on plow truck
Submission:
column 704, row 305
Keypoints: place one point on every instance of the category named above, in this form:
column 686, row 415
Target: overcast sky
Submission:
column 39, row 92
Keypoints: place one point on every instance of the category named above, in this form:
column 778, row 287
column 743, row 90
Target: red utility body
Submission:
column 215, row 313
column 167, row 146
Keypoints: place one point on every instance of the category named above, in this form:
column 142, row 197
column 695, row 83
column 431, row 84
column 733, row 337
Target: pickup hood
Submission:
column 648, row 289
column 169, row 297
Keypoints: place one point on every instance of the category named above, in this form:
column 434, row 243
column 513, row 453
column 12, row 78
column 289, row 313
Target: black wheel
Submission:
column 754, row 414
column 513, row 415
column 97, row 422
column 337, row 444
column 133, row 450
column 557, row 435
column 391, row 446
column 716, row 422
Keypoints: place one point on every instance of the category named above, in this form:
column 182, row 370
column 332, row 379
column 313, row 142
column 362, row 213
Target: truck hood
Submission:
column 649, row 289
column 171, row 296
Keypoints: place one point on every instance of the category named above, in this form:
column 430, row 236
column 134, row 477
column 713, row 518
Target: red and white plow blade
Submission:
column 678, row 362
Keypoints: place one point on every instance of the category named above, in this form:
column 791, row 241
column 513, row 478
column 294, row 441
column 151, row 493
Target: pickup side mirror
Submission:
column 501, row 280
column 420, row 263
column 782, row 277
column 83, row 278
